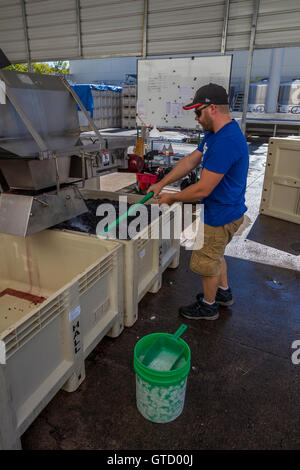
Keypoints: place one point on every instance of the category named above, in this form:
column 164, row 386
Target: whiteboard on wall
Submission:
column 165, row 85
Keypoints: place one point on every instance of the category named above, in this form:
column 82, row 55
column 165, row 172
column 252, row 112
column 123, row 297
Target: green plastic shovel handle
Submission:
column 127, row 213
column 180, row 330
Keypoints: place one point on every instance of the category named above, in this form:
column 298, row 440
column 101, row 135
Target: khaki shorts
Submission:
column 207, row 261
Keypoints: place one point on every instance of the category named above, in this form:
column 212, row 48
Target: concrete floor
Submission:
column 243, row 389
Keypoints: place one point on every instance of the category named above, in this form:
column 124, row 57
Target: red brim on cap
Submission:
column 192, row 106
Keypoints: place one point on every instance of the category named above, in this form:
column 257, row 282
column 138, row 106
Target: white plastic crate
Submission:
column 281, row 188
column 129, row 101
column 129, row 90
column 145, row 260
column 128, row 122
column 129, row 112
column 107, row 110
column 46, row 343
column 129, row 107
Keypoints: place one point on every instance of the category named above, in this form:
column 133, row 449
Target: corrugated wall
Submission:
column 12, row 36
column 111, row 28
column 69, row 29
column 278, row 24
column 52, row 29
column 178, row 27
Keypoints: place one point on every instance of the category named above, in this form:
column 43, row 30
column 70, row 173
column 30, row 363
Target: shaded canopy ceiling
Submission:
column 45, row 30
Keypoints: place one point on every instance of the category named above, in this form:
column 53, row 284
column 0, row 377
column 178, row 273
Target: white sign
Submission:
column 174, row 109
column 105, row 158
column 186, row 94
column 141, row 109
column 74, row 314
column 166, row 85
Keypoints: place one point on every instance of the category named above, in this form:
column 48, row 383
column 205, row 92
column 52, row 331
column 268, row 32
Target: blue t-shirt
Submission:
column 226, row 152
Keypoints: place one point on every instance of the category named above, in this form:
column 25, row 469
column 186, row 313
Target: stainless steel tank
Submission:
column 257, row 96
column 289, row 97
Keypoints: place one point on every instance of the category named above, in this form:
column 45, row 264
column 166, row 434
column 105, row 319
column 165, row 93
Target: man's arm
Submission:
column 207, row 183
column 181, row 169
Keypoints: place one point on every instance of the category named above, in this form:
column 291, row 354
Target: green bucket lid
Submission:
column 162, row 358
column 165, row 353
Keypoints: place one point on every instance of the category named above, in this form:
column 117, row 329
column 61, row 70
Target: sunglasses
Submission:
column 199, row 111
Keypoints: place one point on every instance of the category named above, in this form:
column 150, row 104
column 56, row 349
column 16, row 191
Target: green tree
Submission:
column 43, row 67
column 61, row 67
column 18, row 67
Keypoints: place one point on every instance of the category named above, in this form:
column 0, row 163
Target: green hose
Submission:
column 127, row 213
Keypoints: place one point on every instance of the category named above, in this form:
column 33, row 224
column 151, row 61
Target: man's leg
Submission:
column 207, row 262
column 223, row 275
column 210, row 260
column 210, row 287
column 211, row 283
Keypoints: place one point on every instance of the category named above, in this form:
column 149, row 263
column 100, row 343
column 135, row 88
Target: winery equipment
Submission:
column 41, row 153
column 257, row 96
column 289, row 97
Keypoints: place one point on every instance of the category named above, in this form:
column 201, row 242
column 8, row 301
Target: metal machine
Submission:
column 257, row 96
column 42, row 158
column 289, row 97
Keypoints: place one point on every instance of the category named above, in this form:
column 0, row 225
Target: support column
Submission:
column 250, row 58
column 274, row 80
column 79, row 33
column 25, row 25
column 145, row 30
column 144, row 55
column 225, row 27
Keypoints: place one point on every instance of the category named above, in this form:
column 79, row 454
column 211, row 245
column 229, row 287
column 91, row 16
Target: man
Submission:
column 221, row 187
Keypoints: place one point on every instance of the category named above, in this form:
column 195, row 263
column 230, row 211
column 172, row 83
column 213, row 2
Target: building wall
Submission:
column 114, row 70
column 261, row 65
column 110, row 71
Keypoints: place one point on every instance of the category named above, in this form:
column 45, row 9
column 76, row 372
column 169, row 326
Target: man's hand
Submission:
column 156, row 188
column 166, row 198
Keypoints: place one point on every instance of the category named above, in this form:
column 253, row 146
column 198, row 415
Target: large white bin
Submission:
column 281, row 189
column 145, row 260
column 46, row 343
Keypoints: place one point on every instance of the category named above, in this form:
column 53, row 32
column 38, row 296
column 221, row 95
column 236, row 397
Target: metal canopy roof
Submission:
column 39, row 30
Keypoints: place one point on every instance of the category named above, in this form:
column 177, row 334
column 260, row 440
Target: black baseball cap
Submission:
column 208, row 94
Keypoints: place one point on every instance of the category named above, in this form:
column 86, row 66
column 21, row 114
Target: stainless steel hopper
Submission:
column 39, row 135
